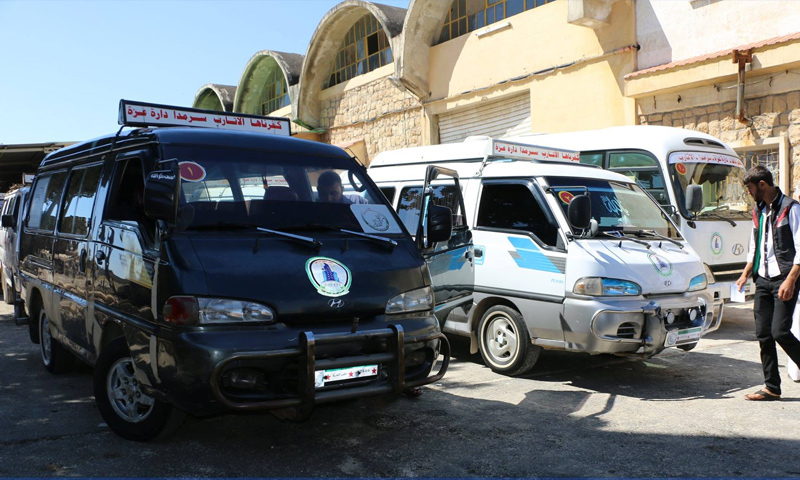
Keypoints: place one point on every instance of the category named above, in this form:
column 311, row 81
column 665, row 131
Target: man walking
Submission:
column 774, row 262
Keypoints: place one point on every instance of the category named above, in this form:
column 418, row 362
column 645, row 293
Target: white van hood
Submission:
column 663, row 268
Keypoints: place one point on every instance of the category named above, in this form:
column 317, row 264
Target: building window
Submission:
column 468, row 15
column 767, row 157
column 275, row 94
column 365, row 48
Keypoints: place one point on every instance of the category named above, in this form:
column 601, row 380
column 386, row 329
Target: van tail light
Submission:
column 181, row 311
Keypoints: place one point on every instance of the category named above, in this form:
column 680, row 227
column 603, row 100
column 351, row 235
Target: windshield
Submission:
column 230, row 188
column 721, row 178
column 616, row 206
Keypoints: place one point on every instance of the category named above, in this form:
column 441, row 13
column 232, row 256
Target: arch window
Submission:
column 365, row 48
column 275, row 94
column 468, row 15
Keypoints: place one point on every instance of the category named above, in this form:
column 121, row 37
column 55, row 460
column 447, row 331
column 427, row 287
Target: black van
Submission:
column 200, row 270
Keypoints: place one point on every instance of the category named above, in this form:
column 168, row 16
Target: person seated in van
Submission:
column 281, row 194
column 330, row 190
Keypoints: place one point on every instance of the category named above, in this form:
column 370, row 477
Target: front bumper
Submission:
column 641, row 325
column 196, row 370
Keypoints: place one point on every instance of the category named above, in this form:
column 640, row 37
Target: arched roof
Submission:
column 325, row 44
column 215, row 97
column 422, row 26
column 248, row 95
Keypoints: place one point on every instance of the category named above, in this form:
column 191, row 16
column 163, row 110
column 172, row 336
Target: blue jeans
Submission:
column 773, row 325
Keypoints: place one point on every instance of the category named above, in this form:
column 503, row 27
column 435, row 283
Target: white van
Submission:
column 546, row 275
column 664, row 160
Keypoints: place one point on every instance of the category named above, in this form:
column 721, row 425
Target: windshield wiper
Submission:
column 621, row 236
column 653, row 233
column 317, row 226
column 238, row 226
column 373, row 237
column 313, row 241
column 715, row 215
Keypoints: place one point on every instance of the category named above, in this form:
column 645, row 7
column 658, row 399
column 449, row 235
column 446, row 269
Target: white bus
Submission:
column 664, row 160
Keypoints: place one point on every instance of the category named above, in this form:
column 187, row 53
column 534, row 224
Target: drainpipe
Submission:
column 742, row 57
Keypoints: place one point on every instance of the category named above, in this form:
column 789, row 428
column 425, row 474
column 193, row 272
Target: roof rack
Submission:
column 141, row 114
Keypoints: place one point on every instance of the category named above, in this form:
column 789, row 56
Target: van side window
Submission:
column 513, row 207
column 411, row 202
column 641, row 168
column 79, row 200
column 45, row 200
column 126, row 199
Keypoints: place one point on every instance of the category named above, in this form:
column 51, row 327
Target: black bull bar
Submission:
column 307, row 395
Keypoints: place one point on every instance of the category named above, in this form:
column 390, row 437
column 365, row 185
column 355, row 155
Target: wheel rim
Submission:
column 45, row 340
column 500, row 338
column 124, row 393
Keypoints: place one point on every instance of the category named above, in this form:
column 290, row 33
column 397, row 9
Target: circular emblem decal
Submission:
column 192, row 172
column 680, row 168
column 375, row 219
column 661, row 264
column 330, row 277
column 738, row 249
column 565, row 196
column 716, row 243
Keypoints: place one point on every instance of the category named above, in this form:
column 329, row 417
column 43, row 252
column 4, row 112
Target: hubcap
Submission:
column 44, row 337
column 124, row 393
column 501, row 339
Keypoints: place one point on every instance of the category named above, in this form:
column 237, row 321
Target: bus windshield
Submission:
column 721, row 178
column 618, row 207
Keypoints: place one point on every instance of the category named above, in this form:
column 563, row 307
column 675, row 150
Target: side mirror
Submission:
column 579, row 212
column 162, row 194
column 440, row 224
column 694, row 198
column 8, row 221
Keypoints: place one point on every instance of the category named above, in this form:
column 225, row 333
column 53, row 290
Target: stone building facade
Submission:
column 379, row 114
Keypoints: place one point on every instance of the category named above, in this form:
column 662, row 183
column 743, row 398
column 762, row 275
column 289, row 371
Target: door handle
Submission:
column 82, row 262
column 478, row 252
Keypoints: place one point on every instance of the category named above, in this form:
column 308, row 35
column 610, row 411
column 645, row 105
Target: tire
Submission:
column 688, row 346
column 127, row 411
column 504, row 342
column 55, row 357
column 8, row 291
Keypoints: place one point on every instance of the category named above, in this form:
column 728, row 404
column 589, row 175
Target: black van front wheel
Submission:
column 128, row 411
column 55, row 357
column 504, row 342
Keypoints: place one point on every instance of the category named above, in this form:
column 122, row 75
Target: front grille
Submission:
column 627, row 330
column 727, row 271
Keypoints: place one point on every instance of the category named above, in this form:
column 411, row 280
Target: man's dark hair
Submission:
column 758, row 173
column 328, row 179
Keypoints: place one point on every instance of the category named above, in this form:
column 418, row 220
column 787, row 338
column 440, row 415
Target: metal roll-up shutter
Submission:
column 502, row 118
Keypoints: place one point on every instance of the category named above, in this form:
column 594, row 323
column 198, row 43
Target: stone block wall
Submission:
column 384, row 116
column 772, row 116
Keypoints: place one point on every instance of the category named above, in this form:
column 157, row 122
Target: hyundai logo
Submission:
column 336, row 303
column 738, row 249
column 667, row 283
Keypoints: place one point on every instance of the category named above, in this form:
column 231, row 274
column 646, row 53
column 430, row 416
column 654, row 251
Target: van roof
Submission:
column 660, row 140
column 476, row 148
column 192, row 136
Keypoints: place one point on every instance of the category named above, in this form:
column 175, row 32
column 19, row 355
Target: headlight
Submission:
column 698, row 283
column 709, row 274
column 413, row 301
column 601, row 287
column 186, row 310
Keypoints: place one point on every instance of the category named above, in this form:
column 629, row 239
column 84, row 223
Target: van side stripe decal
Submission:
column 529, row 256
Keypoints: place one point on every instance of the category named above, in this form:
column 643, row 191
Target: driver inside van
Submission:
column 330, row 190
